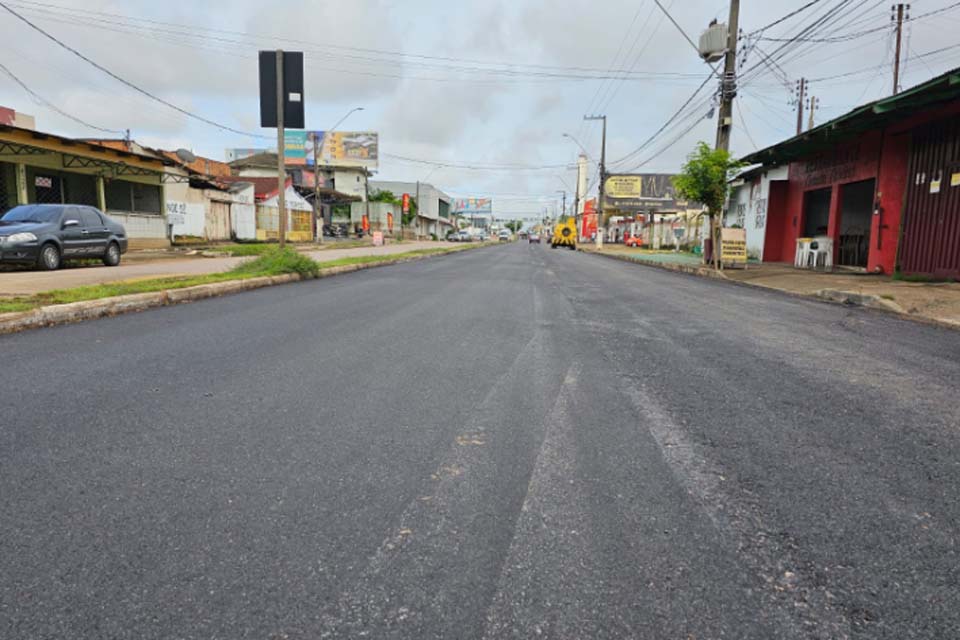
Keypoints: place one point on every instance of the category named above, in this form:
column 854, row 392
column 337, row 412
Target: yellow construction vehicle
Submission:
column 564, row 234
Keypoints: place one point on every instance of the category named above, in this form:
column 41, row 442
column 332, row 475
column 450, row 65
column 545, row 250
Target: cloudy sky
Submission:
column 472, row 96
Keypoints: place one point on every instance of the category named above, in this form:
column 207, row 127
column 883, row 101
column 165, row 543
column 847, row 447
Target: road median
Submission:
column 99, row 301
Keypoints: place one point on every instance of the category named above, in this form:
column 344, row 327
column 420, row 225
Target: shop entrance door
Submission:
column 856, row 211
column 816, row 212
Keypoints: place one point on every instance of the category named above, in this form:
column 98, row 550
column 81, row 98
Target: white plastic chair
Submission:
column 801, row 259
column 822, row 255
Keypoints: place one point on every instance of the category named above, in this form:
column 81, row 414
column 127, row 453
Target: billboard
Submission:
column 642, row 192
column 337, row 148
column 472, row 206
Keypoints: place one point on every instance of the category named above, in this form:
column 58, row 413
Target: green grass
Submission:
column 886, row 296
column 271, row 263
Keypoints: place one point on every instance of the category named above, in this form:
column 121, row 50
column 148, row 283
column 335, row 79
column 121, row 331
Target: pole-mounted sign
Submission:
column 281, row 106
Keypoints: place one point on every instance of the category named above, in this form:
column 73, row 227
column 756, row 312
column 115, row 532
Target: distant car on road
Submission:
column 534, row 238
column 46, row 235
column 505, row 236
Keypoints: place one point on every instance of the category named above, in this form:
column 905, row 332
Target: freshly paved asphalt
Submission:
column 512, row 442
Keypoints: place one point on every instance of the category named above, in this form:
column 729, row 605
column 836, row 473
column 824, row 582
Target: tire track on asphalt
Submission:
column 550, row 584
column 446, row 548
column 802, row 607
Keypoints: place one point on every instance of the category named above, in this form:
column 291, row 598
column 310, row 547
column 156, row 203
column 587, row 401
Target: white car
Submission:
column 505, row 236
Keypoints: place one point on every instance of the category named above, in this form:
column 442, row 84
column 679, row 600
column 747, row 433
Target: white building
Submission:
column 433, row 210
column 749, row 202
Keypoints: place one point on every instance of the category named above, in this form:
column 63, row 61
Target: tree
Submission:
column 705, row 178
column 514, row 225
column 406, row 219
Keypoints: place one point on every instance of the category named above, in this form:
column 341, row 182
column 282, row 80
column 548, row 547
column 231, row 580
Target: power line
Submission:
column 125, row 81
column 476, row 166
column 40, row 99
column 786, row 17
column 391, row 58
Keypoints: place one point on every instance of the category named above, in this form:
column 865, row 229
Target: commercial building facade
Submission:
column 882, row 182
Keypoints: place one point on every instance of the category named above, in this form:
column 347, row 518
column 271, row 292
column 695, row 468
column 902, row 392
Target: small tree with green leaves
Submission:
column 514, row 225
column 705, row 178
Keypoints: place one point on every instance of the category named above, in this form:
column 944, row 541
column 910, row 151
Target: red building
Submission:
column 883, row 181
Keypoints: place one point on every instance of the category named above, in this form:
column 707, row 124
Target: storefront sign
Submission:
column 838, row 166
column 623, row 187
column 733, row 246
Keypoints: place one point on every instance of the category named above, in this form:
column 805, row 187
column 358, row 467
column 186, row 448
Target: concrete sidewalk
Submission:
column 939, row 302
column 24, row 283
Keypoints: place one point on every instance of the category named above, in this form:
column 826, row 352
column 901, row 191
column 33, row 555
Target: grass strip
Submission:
column 271, row 263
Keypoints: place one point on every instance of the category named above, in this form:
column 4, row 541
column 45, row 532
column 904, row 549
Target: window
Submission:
column 133, row 197
column 88, row 217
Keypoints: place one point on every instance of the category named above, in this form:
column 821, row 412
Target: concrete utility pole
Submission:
column 896, row 61
column 281, row 156
column 729, row 84
column 603, row 167
column 317, row 219
column 801, row 92
column 812, row 105
column 416, row 231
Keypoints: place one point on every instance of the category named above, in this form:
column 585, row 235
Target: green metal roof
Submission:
column 872, row 115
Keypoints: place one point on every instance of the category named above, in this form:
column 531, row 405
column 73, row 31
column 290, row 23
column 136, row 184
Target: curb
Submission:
column 831, row 296
column 58, row 314
column 703, row 272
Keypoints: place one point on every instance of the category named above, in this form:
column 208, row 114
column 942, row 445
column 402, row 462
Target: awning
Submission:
column 874, row 115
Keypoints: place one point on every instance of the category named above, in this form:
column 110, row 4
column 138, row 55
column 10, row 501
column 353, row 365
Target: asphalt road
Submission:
column 512, row 442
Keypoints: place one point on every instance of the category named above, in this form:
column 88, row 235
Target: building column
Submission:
column 20, row 171
column 833, row 224
column 101, row 195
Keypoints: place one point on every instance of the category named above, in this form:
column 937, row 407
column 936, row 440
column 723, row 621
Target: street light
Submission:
column 317, row 145
column 577, row 142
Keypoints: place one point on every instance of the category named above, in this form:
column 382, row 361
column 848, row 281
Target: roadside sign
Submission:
column 406, row 203
column 291, row 86
column 733, row 246
column 378, row 238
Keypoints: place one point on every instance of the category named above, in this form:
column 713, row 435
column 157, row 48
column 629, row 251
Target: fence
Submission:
column 299, row 224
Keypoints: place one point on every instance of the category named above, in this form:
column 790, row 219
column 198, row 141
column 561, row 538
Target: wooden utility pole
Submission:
column 801, row 94
column 281, row 155
column 896, row 60
column 729, row 87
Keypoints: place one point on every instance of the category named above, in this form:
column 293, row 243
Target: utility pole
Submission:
column 728, row 91
column 801, row 92
column 813, row 103
column 366, row 198
column 603, row 167
column 281, row 155
column 416, row 232
column 896, row 61
column 729, row 85
column 317, row 219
